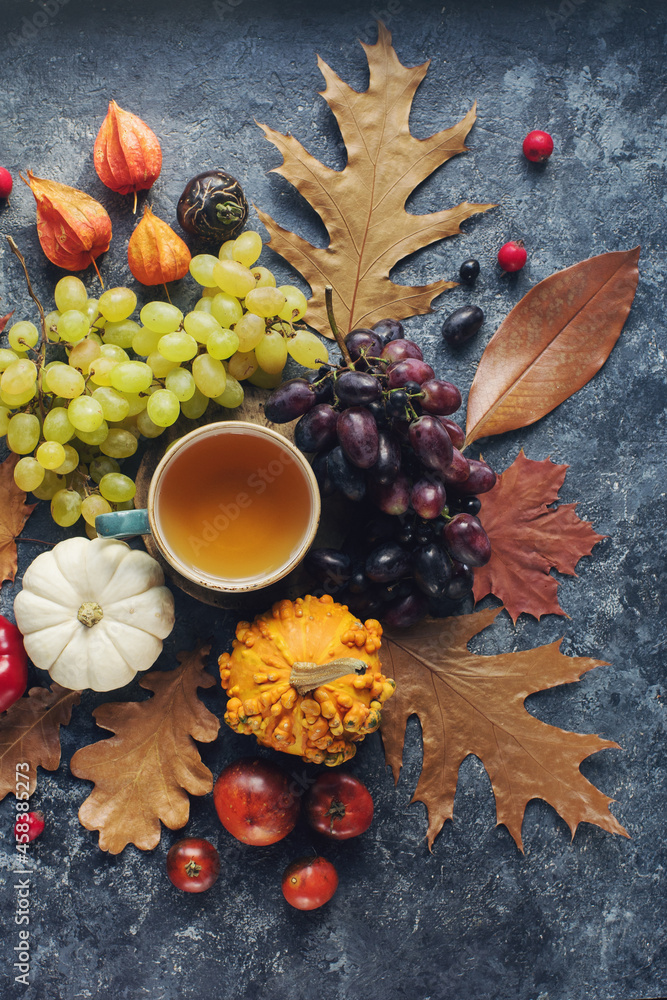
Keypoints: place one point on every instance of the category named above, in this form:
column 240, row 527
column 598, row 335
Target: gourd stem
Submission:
column 306, row 677
column 90, row 613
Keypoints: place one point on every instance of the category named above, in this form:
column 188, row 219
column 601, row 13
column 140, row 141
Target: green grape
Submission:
column 194, row 407
column 116, row 304
column 163, row 408
column 205, row 303
column 116, row 487
column 101, row 465
column 66, row 508
column 16, row 401
column 85, row 413
column 181, row 382
column 126, row 504
column 71, row 462
column 57, row 426
column 264, row 380
column 129, row 424
column 28, row 473
column 226, row 251
column 209, row 375
column 95, row 437
column 222, row 344
column 247, row 248
column 18, row 377
column 100, row 370
column 92, row 311
column 307, row 349
column 263, row 277
column 250, row 330
column 95, row 337
column 271, row 352
column 83, row 353
column 114, row 405
column 72, row 326
column 23, row 433
column 64, row 381
column 114, row 352
column 201, row 325
column 121, row 334
column 119, row 443
column 159, row 364
column 50, row 455
column 137, row 401
column 233, row 278
column 178, row 346
column 22, row 335
column 242, row 365
column 265, row 301
column 233, row 394
column 146, row 426
column 50, row 485
column 145, row 341
column 296, row 304
column 201, row 269
column 131, row 376
column 7, row 358
column 92, row 506
column 161, row 317
column 70, row 293
column 226, row 309
column 51, row 324
column 5, row 414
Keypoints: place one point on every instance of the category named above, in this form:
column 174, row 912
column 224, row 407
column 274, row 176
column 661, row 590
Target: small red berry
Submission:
column 6, row 183
column 538, row 146
column 29, row 826
column 512, row 256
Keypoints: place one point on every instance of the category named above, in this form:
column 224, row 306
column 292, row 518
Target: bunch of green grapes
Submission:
column 73, row 419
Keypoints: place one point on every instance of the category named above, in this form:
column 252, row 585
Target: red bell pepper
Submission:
column 13, row 664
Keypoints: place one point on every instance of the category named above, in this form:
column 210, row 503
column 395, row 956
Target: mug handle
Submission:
column 122, row 524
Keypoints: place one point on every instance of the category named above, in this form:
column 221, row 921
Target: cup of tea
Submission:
column 232, row 506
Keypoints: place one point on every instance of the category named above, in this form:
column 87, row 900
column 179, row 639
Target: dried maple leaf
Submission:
column 142, row 774
column 529, row 538
column 14, row 512
column 363, row 206
column 552, row 343
column 30, row 734
column 470, row 704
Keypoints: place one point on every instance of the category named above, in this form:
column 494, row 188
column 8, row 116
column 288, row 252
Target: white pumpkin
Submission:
column 93, row 613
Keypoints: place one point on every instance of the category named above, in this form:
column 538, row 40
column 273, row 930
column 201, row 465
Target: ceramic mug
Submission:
column 232, row 506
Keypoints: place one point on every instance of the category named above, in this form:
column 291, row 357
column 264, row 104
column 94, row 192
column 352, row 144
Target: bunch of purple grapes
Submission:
column 381, row 435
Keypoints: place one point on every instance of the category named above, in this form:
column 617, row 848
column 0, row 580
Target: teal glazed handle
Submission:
column 122, row 524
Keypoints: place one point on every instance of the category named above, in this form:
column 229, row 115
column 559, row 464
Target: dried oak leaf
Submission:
column 470, row 704
column 14, row 512
column 552, row 343
column 142, row 774
column 529, row 538
column 363, row 206
column 30, row 734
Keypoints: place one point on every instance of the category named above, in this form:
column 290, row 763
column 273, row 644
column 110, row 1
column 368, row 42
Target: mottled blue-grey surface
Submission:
column 474, row 919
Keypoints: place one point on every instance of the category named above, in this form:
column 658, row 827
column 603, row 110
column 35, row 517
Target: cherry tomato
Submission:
column 193, row 865
column 339, row 805
column 256, row 802
column 13, row 664
column 309, row 883
column 28, row 827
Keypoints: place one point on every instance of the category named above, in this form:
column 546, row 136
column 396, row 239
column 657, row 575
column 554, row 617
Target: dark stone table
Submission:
column 580, row 920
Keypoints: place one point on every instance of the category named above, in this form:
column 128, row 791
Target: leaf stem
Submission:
column 328, row 298
column 43, row 339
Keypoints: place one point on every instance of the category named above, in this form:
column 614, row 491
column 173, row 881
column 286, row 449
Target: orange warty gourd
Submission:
column 306, row 678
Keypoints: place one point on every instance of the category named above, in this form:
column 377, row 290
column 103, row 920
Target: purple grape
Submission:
column 379, row 414
column 321, row 470
column 464, row 505
column 364, row 343
column 431, row 443
column 461, row 582
column 387, row 562
column 357, row 389
column 322, row 384
column 406, row 611
column 401, row 350
column 347, row 478
column 432, row 569
column 440, row 397
column 456, row 433
column 461, row 325
column 290, row 400
column 380, row 528
column 388, row 330
column 466, row 540
column 458, row 470
column 358, row 582
column 365, row 606
column 316, row 430
column 393, row 499
column 482, row 478
column 358, row 436
column 410, row 370
column 428, row 497
column 388, row 464
column 331, row 568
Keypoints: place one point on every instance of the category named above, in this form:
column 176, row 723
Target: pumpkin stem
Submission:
column 90, row 613
column 307, row 676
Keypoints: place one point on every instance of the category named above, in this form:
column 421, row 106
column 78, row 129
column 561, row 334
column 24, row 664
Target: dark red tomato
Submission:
column 193, row 865
column 256, row 801
column 309, row 883
column 339, row 805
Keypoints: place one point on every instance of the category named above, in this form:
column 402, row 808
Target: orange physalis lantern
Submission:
column 155, row 253
column 127, row 154
column 73, row 228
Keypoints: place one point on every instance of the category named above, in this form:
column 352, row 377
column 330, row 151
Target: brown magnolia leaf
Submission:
column 142, row 774
column 127, row 153
column 30, row 735
column 552, row 343
column 155, row 253
column 14, row 512
column 529, row 538
column 470, row 704
column 363, row 206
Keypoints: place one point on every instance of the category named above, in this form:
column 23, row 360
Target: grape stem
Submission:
column 43, row 339
column 328, row 298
